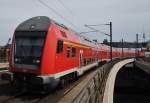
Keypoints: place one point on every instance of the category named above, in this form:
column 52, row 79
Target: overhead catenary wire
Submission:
column 74, row 17
column 66, row 7
column 96, row 30
column 57, row 13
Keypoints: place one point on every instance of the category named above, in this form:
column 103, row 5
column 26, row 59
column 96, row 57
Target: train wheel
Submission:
column 68, row 79
column 75, row 76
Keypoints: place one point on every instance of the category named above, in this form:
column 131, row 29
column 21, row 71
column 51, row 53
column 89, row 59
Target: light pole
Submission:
column 122, row 47
column 110, row 34
column 110, row 24
column 137, row 44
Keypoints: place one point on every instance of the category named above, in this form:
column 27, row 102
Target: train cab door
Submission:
column 81, row 58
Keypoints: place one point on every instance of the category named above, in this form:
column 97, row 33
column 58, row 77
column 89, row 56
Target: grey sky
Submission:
column 128, row 16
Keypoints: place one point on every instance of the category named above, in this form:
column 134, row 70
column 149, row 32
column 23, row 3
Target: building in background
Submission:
column 4, row 53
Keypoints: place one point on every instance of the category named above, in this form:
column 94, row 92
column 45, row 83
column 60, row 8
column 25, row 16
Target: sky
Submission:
column 128, row 17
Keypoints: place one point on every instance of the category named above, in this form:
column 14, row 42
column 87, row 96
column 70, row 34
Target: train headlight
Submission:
column 36, row 61
column 16, row 60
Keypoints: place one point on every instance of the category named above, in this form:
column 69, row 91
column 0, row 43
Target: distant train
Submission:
column 45, row 53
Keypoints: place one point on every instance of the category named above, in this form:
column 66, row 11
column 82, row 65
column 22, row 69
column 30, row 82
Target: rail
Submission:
column 92, row 88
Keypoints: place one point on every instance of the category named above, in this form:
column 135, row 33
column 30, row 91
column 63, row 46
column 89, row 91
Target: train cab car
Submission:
column 33, row 52
column 44, row 53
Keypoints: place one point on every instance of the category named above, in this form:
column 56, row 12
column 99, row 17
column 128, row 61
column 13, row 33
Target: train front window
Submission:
column 28, row 50
column 29, row 47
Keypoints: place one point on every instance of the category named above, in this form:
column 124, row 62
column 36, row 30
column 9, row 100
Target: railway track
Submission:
column 8, row 99
column 10, row 94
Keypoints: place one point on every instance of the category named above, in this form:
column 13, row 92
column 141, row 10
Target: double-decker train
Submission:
column 45, row 53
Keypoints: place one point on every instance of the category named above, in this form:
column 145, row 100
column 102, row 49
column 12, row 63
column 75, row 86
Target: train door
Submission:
column 81, row 58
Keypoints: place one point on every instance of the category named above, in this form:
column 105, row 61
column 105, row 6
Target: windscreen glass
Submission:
column 28, row 48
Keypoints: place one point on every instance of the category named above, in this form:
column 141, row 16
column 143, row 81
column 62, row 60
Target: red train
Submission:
column 45, row 53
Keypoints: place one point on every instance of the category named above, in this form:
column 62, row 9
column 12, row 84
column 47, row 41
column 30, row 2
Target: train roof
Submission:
column 39, row 23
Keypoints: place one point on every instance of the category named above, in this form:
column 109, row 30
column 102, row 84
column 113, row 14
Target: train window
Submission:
column 73, row 52
column 68, row 52
column 59, row 46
